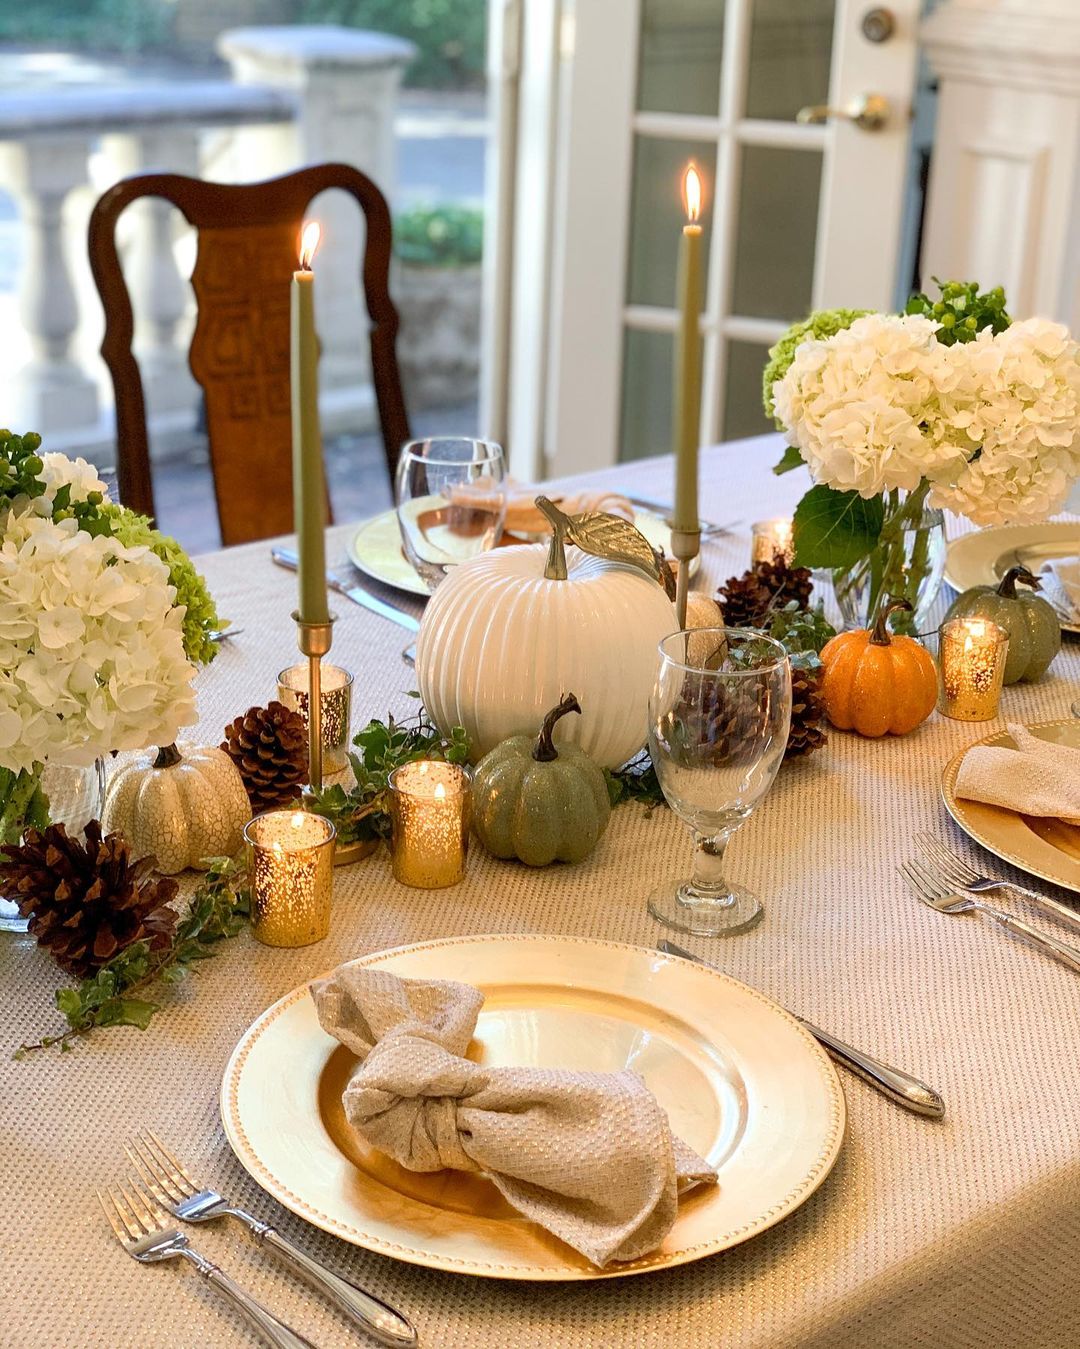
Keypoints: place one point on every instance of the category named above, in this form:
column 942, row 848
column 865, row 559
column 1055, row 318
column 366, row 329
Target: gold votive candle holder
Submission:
column 768, row 538
column 291, row 855
column 430, row 815
column 971, row 668
column 294, row 690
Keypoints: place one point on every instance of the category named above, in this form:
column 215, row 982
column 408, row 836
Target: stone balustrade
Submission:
column 297, row 96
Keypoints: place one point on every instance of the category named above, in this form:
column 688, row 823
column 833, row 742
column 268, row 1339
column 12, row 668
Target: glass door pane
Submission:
column 776, row 234
column 790, row 55
column 679, row 56
column 744, row 414
column 657, row 215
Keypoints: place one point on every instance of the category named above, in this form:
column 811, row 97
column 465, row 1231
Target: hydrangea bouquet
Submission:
column 949, row 405
column 102, row 622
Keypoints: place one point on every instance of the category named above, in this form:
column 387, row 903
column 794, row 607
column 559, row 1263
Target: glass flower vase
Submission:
column 76, row 796
column 908, row 563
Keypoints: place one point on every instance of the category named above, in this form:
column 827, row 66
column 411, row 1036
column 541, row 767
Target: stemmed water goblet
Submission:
column 451, row 502
column 719, row 716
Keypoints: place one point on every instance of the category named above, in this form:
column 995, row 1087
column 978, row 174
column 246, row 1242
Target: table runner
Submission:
column 964, row 1233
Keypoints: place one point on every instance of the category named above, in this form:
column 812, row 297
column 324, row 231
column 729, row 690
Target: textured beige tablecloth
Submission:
column 963, row 1233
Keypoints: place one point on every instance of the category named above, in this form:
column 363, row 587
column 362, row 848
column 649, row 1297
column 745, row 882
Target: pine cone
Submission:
column 807, row 712
column 744, row 600
column 733, row 723
column 785, row 582
column 86, row 903
column 269, row 746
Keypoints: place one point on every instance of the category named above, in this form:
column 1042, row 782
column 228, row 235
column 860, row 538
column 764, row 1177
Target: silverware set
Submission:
column 944, row 882
column 143, row 1215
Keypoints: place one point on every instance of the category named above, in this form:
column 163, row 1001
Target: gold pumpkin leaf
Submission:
column 607, row 536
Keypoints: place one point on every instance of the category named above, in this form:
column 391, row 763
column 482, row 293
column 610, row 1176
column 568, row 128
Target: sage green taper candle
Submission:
column 686, row 411
column 309, row 483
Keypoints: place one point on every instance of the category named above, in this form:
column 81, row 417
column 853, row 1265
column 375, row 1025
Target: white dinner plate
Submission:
column 375, row 549
column 743, row 1084
column 982, row 557
column 1047, row 848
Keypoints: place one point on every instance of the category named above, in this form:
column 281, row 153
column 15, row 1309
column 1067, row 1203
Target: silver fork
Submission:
column 145, row 1232
column 963, row 877
column 936, row 893
column 172, row 1187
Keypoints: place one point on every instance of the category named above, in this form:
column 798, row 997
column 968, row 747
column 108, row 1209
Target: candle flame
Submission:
column 297, row 820
column 309, row 242
column 692, row 192
column 440, row 791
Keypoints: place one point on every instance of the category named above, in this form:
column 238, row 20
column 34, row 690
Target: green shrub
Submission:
column 439, row 236
column 96, row 25
column 449, row 34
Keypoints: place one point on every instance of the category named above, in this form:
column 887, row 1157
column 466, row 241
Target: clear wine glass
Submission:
column 451, row 502
column 719, row 716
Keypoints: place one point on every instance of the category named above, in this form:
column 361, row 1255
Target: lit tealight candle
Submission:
column 772, row 537
column 430, row 805
column 292, row 876
column 971, row 664
column 335, row 699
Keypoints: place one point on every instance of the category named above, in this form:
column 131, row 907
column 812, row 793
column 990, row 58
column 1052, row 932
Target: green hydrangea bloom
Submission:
column 201, row 616
column 821, row 323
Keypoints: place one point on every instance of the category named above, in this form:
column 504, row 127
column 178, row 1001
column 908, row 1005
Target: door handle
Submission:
column 869, row 112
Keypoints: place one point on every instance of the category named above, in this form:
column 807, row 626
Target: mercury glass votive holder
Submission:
column 291, row 855
column 294, row 691
column 769, row 538
column 430, row 815
column 971, row 668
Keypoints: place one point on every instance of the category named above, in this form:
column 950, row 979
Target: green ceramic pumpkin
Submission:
column 538, row 803
column 1032, row 625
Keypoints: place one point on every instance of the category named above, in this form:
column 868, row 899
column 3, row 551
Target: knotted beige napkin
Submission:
column 589, row 1156
column 1036, row 778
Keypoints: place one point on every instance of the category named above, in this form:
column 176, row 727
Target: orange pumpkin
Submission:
column 877, row 683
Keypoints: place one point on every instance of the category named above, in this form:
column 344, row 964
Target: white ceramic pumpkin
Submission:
column 500, row 643
column 182, row 803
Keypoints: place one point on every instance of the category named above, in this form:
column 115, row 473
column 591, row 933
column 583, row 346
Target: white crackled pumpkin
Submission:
column 501, row 642
column 183, row 804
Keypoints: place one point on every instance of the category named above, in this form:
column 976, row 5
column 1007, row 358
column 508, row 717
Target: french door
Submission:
column 797, row 114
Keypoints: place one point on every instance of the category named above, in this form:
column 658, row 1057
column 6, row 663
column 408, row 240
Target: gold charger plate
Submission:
column 1047, row 848
column 743, row 1083
column 982, row 557
column 375, row 549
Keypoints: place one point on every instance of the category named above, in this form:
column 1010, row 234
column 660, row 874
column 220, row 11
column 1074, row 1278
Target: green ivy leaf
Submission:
column 792, row 459
column 836, row 529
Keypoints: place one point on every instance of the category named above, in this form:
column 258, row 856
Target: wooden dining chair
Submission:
column 247, row 252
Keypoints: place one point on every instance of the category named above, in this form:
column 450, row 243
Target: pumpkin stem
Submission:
column 1007, row 588
column 880, row 634
column 168, row 756
column 544, row 750
column 555, row 567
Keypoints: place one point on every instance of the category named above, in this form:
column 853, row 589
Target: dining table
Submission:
column 961, row 1232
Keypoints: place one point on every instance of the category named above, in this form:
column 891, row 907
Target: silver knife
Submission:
column 286, row 557
column 664, row 511
column 898, row 1086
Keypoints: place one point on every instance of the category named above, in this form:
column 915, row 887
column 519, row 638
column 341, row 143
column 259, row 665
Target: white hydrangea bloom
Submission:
column 874, row 407
column 91, row 647
column 1025, row 420
column 58, row 470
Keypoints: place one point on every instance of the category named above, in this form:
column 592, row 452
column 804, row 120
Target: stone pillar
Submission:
column 51, row 393
column 346, row 83
column 1004, row 191
column 160, row 295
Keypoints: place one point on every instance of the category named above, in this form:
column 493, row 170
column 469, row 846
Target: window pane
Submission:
column 646, row 397
column 777, row 232
column 743, row 413
column 790, row 52
column 657, row 215
column 679, row 57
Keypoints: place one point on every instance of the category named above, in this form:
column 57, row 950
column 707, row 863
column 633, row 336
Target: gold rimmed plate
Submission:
column 1047, row 848
column 982, row 557
column 375, row 549
column 743, row 1083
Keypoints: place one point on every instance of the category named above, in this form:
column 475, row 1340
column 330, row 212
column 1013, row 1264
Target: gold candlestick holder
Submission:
column 314, row 641
column 685, row 546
